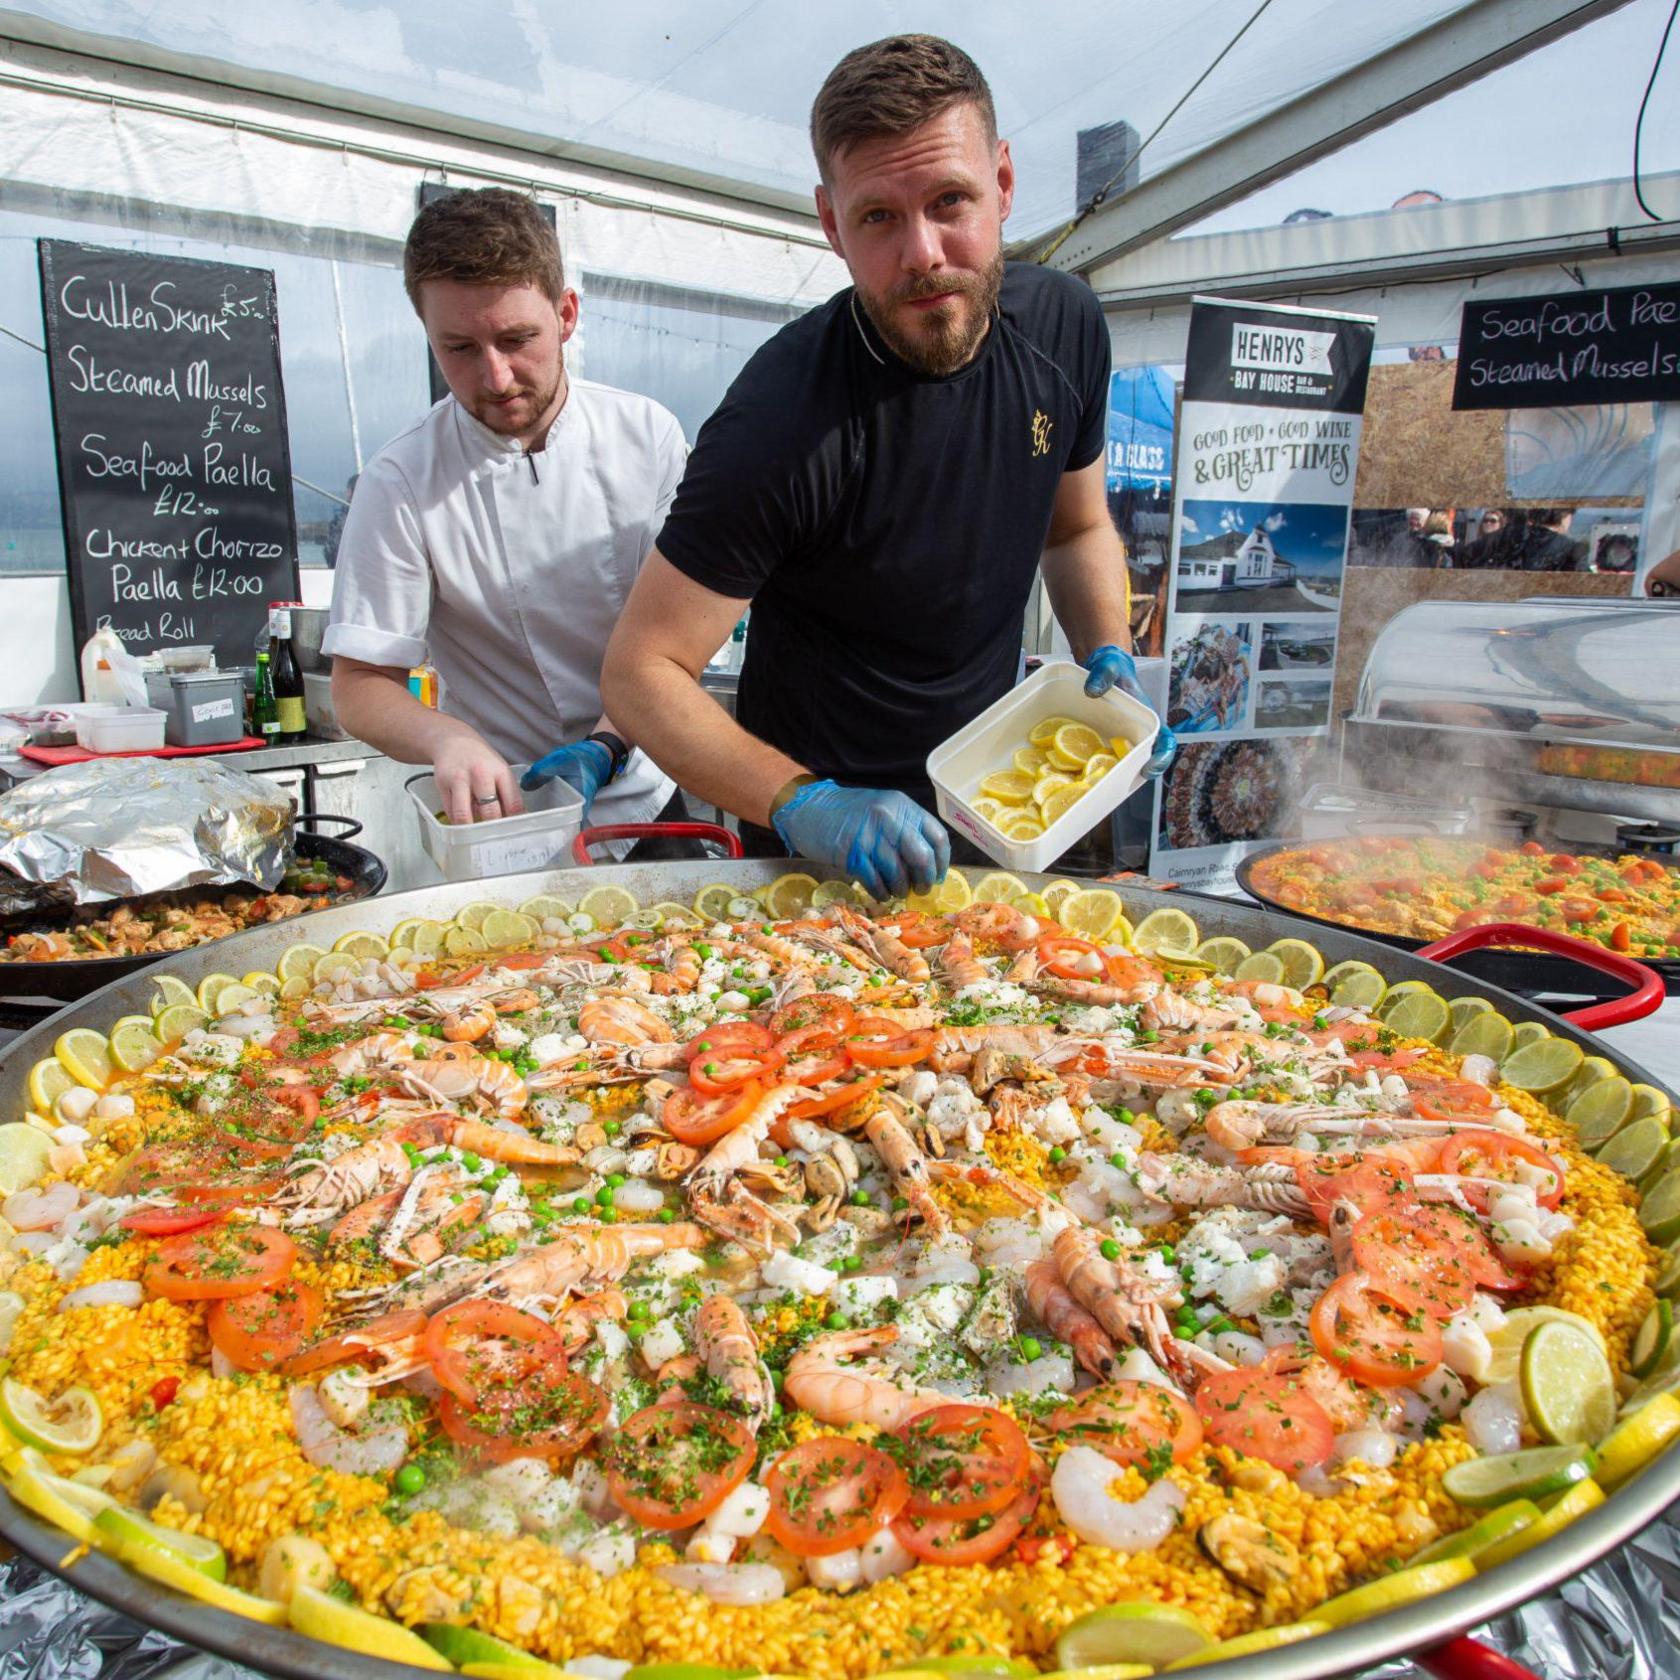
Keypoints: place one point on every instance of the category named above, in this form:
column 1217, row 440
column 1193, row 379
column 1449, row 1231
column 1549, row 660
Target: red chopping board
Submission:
column 80, row 755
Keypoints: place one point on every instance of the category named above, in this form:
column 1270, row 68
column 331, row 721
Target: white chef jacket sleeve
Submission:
column 382, row 588
column 672, row 449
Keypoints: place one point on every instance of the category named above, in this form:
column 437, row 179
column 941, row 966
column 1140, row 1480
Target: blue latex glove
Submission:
column 1111, row 667
column 585, row 764
column 886, row 842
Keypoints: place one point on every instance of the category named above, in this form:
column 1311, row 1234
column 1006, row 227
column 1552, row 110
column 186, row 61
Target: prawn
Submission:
column 892, row 952
column 715, row 1191
column 1053, row 1305
column 908, row 1166
column 1081, row 1487
column 682, row 972
column 380, row 1050
column 819, row 1381
column 958, row 965
column 954, row 1048
column 726, row 1343
column 481, row 1077
column 467, row 1026
column 615, row 1019
column 999, row 924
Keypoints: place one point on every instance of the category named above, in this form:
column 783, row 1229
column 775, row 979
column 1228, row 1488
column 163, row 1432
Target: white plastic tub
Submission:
column 1056, row 689
column 540, row 838
column 120, row 729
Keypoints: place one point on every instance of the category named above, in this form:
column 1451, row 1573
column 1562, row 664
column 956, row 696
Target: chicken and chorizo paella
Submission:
column 817, row 1289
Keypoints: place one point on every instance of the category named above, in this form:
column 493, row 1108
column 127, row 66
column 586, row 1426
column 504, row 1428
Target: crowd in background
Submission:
column 1491, row 539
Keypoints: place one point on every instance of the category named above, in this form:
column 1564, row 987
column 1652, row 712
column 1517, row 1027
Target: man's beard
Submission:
column 497, row 419
column 943, row 339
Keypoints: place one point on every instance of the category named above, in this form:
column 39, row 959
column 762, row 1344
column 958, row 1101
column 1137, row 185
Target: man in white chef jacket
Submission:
column 500, row 534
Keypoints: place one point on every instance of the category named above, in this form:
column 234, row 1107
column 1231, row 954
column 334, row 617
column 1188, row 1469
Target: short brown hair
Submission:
column 487, row 237
column 892, row 87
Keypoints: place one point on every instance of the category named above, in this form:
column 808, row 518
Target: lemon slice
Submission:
column 711, row 903
column 503, row 929
column 1062, row 801
column 1264, row 966
column 49, row 1079
column 1583, row 1497
column 179, row 1019
column 1098, row 765
column 1057, row 891
column 1022, row 827
column 68, row 1505
column 72, row 1423
column 1392, row 1591
column 834, row 892
column 788, row 897
column 1130, row 1632
column 946, row 897
column 402, row 935
column 23, row 1155
column 175, row 1572
column 999, row 887
column 361, row 944
column 429, row 938
column 1303, row 966
column 321, row 1616
column 533, row 1668
column 210, row 989
column 1251, row 1644
column 1044, row 731
column 1169, row 926
column 291, row 990
column 464, row 942
column 334, row 966
column 171, row 989
column 1119, row 745
column 261, row 981
column 86, row 1056
column 609, row 905
column 471, row 915
column 134, row 1045
column 1486, row 1034
column 745, row 909
column 545, row 907
column 1031, row 904
column 1636, row 1148
column 989, row 809
column 1633, row 1444
column 1567, row 1385
column 1499, row 1524
column 1072, row 745
column 1417, row 1015
column 674, row 915
column 1050, row 784
column 297, row 964
column 1028, row 760
column 132, row 1532
column 1364, row 987
column 1008, row 787
column 229, row 998
column 1223, row 953
column 1091, row 913
column 1541, row 1066
column 1102, row 1671
column 1182, row 959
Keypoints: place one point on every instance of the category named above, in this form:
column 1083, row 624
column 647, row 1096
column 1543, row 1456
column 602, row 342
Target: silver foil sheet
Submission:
column 118, row 827
column 1620, row 1620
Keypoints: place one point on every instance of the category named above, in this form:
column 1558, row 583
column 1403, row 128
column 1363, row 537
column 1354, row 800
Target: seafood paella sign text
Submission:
column 173, row 467
column 1268, row 444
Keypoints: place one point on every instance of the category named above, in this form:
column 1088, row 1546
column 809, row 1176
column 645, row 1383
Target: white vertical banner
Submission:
column 1267, row 448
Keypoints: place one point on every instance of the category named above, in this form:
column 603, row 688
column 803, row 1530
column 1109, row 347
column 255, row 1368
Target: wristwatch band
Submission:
column 616, row 746
column 788, row 789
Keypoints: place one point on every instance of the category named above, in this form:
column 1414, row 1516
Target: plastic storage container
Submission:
column 1057, row 689
column 318, row 708
column 206, row 708
column 120, row 729
column 538, row 838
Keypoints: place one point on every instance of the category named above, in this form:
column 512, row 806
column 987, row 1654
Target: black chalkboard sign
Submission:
column 1617, row 346
column 173, row 466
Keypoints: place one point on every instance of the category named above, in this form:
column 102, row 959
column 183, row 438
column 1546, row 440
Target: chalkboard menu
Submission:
column 173, row 467
column 1570, row 349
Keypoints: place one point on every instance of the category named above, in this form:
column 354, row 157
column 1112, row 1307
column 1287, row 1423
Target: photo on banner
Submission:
column 1267, row 447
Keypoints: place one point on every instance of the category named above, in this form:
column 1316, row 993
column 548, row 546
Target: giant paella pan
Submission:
column 693, row 1264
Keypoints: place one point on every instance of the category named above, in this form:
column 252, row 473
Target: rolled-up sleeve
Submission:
column 382, row 588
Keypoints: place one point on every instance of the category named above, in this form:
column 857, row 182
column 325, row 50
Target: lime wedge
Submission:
column 1668, row 1275
column 1506, row 1343
column 1417, row 1015
column 1600, row 1111
column 1529, row 1032
column 68, row 1505
column 184, row 1578
column 534, row 1669
column 72, row 1423
column 1567, row 1385
column 23, row 1155
column 1651, row 1341
column 1542, row 1066
column 1262, row 966
column 86, row 1056
column 1224, row 953
column 1580, row 1499
column 1252, row 1644
column 298, row 962
column 49, row 1079
column 1484, row 1034
column 178, row 1020
column 788, row 897
column 1462, row 1008
column 1591, row 1070
column 1647, row 1099
column 503, row 929
column 1632, row 1444
column 464, row 1645
column 464, row 942
column 609, row 905
column 1659, row 1209
column 973, row 1668
column 134, row 1533
column 471, row 915
column 1103, row 1671
column 321, row 1616
column 1533, row 1473
column 1409, row 1585
column 171, row 989
column 1635, row 1149
column 1496, row 1526
column 1130, row 1632
column 1303, row 965
column 1169, row 926
column 999, row 887
column 1355, row 985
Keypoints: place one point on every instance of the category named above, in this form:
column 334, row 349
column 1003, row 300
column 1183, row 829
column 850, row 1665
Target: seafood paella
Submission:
column 817, row 1290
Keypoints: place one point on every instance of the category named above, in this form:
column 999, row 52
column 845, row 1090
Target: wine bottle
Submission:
column 287, row 674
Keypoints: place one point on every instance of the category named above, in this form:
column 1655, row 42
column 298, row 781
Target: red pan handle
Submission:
column 1644, row 1000
column 1469, row 1659
column 645, row 831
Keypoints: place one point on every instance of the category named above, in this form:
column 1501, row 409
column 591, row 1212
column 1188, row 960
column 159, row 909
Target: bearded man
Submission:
column 499, row 535
column 881, row 483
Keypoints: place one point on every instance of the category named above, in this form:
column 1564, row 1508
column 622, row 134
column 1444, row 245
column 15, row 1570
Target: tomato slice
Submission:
column 1487, row 1154
column 670, row 1465
column 717, row 1072
column 729, row 1038
column 1411, row 1264
column 875, row 1041
column 1362, row 1330
column 1266, row 1415
column 961, row 1460
column 168, row 1221
column 217, row 1263
column 229, row 1190
column 836, row 1096
column 918, row 930
column 1460, row 1100
column 1131, row 1422
column 1385, row 1061
column 693, row 1119
column 259, row 1332
column 1460, row 1232
column 535, row 1409
column 1372, row 1183
column 383, row 1333
column 1070, row 958
column 470, row 1344
column 957, row 1541
column 814, row 1056
column 816, row 1009
column 829, row 1494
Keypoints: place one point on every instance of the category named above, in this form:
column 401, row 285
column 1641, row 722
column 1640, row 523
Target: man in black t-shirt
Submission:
column 881, row 483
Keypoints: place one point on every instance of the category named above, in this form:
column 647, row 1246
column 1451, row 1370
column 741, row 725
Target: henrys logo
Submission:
column 1279, row 358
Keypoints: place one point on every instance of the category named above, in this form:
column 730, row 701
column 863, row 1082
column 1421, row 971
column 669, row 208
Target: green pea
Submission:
column 615, row 1180
column 637, row 1309
column 612, row 1128
column 1110, row 1249
column 471, row 1162
column 410, row 1479
column 899, row 1204
column 852, row 1263
column 604, row 1196
column 1057, row 1155
column 580, row 1204
column 1030, row 1348
column 860, row 1198
column 837, row 1321
column 1117, row 1161
column 667, row 1215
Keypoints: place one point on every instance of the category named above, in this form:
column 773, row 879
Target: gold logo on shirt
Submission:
column 1041, row 424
